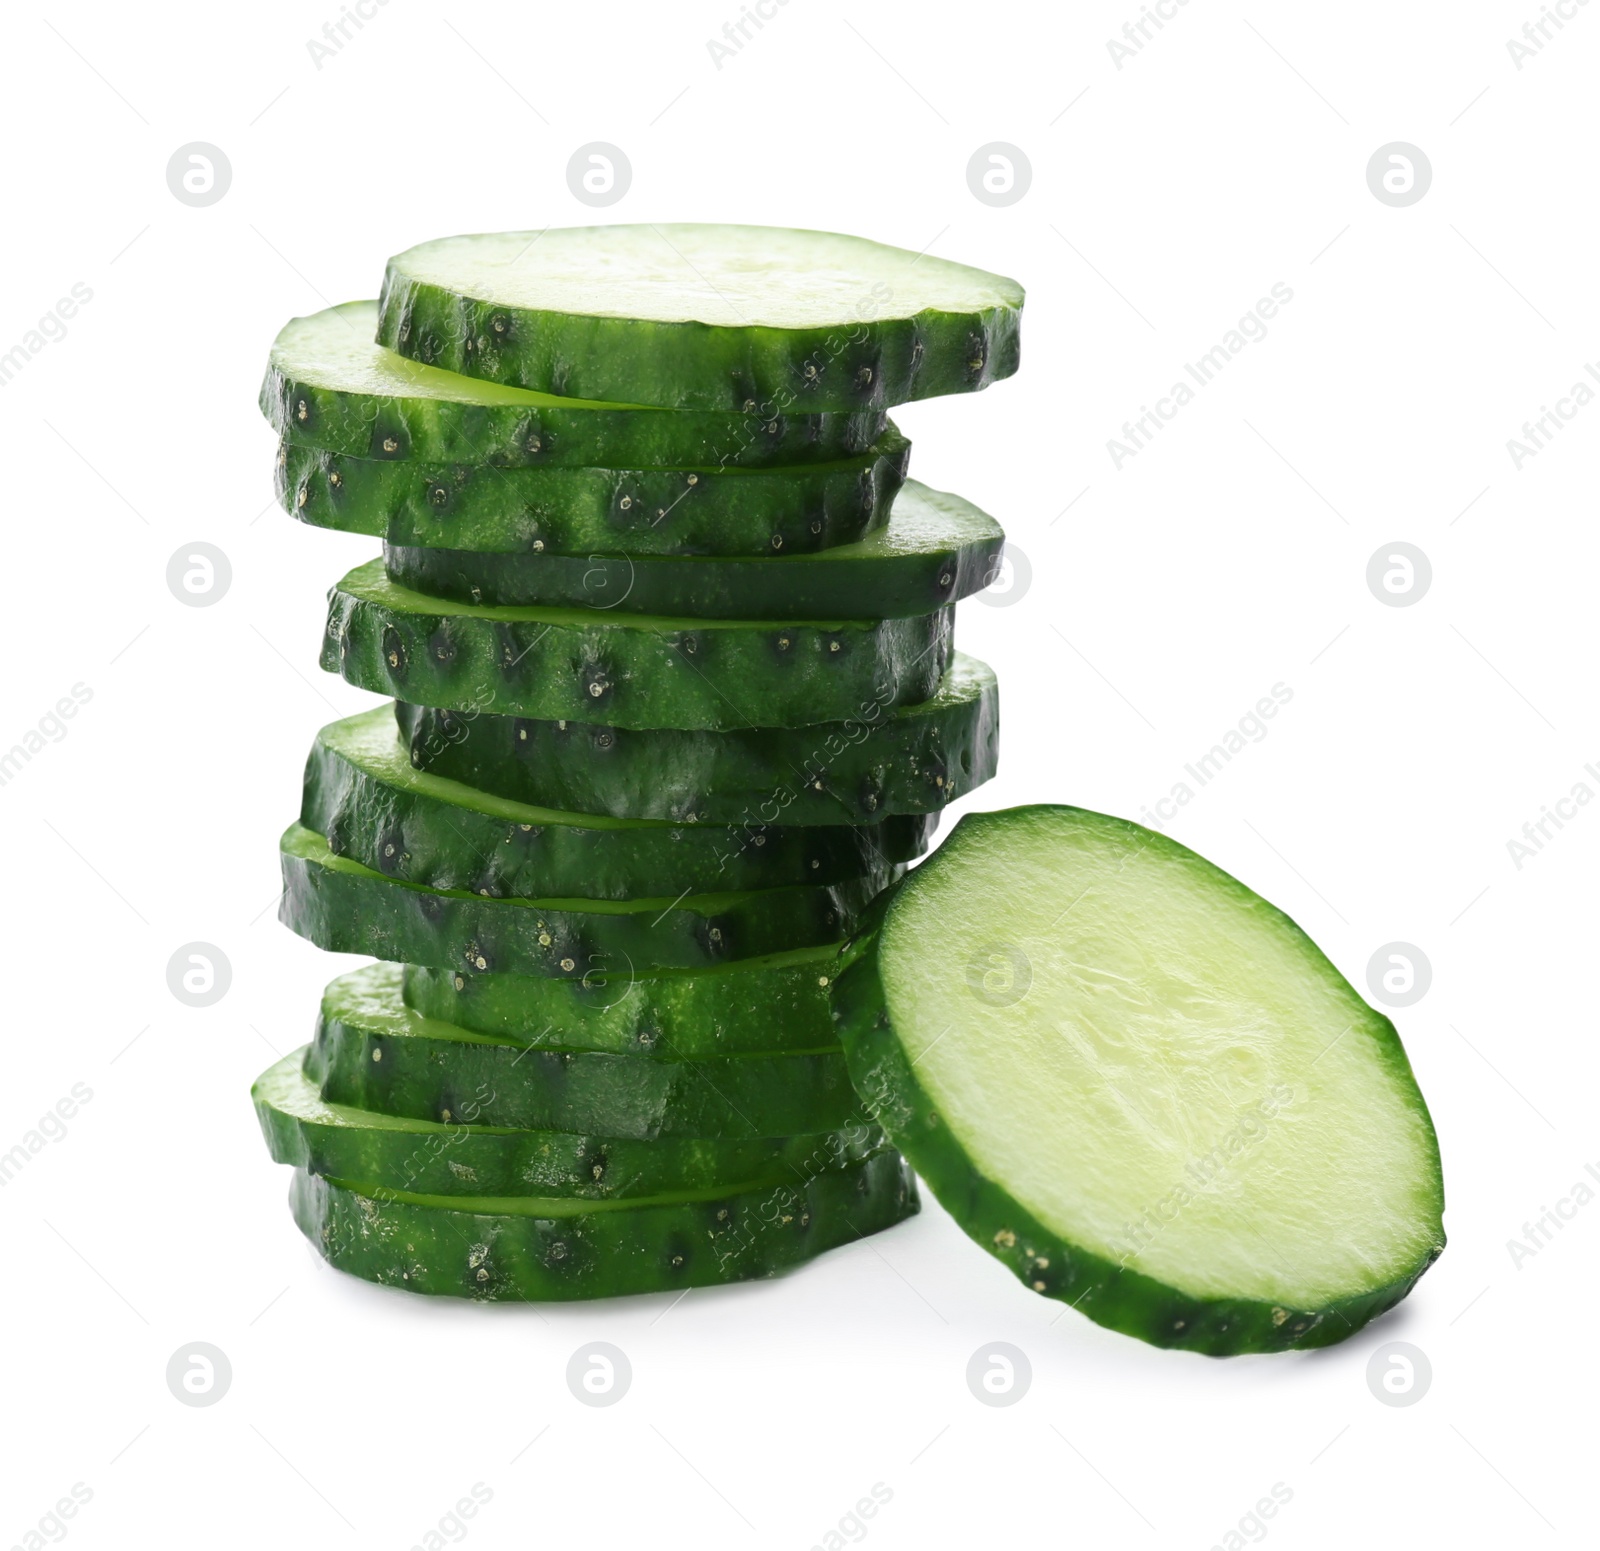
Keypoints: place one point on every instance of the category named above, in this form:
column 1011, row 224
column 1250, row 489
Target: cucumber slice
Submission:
column 1141, row 1087
column 936, row 549
column 536, row 1250
column 911, row 760
column 779, row 1002
column 542, row 512
column 372, row 1052
column 347, row 908
column 363, row 795
column 633, row 670
column 702, row 317
column 456, row 1159
column 328, row 386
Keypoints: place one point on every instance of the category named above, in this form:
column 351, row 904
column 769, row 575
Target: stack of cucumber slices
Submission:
column 669, row 635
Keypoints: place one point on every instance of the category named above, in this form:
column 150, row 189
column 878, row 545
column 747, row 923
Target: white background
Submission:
column 1167, row 597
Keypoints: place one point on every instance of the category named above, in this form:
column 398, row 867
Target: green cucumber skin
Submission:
column 626, row 670
column 913, row 761
column 437, row 834
column 1116, row 1297
column 371, row 1053
column 606, row 1253
column 464, row 1159
column 752, row 1006
column 345, row 908
column 513, row 436
column 689, row 365
column 934, row 550
column 536, row 512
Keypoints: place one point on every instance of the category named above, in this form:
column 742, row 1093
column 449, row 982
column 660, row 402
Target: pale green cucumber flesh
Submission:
column 702, row 316
column 1141, row 1086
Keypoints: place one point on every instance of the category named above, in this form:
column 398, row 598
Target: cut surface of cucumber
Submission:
column 935, row 550
column 541, row 512
column 914, row 759
column 627, row 670
column 346, row 908
column 372, row 1052
column 1142, row 1087
column 330, row 387
column 536, row 1250
column 459, row 1158
column 363, row 795
column 702, row 317
column 779, row 1002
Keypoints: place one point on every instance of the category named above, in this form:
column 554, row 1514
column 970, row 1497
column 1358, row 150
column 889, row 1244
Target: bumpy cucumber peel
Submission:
column 362, row 794
column 779, row 1002
column 751, row 318
column 371, row 1051
column 935, row 550
column 344, row 907
column 464, row 1157
column 633, row 670
column 542, row 512
column 331, row 388
column 880, row 761
column 885, row 1049
column 535, row 1249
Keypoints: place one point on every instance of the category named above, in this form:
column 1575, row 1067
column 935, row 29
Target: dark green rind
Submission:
column 911, row 760
column 629, row 670
column 936, row 549
column 1114, row 1296
column 548, row 1252
column 462, row 1159
column 363, row 795
column 755, row 1005
column 395, row 408
column 536, row 513
column 372, row 1053
column 347, row 908
column 862, row 361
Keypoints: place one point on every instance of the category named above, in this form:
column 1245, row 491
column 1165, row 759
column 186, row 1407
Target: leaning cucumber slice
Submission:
column 543, row 512
column 936, row 549
column 1141, row 1087
column 362, row 793
column 328, row 386
column 372, row 1052
column 702, row 317
column 459, row 1159
column 911, row 760
column 347, row 908
column 777, row 1002
column 631, row 670
column 535, row 1250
